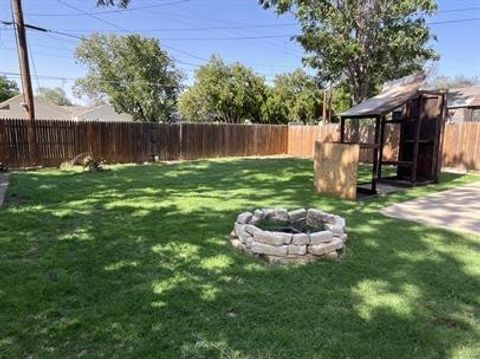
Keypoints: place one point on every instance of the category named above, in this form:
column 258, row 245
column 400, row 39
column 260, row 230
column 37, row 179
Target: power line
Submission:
column 220, row 38
column 112, row 11
column 67, row 51
column 14, row 74
column 458, row 10
column 212, row 38
column 196, row 65
column 186, row 53
column 193, row 66
column 207, row 28
column 33, row 66
column 178, row 2
column 454, row 21
column 38, row 28
column 69, row 32
column 92, row 15
column 42, row 29
column 229, row 37
column 264, row 43
column 58, row 37
column 47, row 54
column 51, row 33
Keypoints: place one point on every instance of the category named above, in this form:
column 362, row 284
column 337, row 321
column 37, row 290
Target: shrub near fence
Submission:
column 123, row 142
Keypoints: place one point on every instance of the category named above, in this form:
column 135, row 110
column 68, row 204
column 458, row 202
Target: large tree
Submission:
column 224, row 93
column 8, row 88
column 56, row 95
column 362, row 43
column 294, row 96
column 132, row 72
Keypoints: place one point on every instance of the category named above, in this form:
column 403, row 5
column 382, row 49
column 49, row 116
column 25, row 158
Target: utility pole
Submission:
column 26, row 77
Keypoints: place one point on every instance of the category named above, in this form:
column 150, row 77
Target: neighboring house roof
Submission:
column 464, row 97
column 394, row 94
column 13, row 108
column 101, row 113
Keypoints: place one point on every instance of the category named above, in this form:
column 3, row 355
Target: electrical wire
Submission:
column 186, row 53
column 454, row 21
column 62, row 78
column 206, row 28
column 178, row 2
column 205, row 38
column 93, row 15
column 112, row 11
column 275, row 46
column 14, row 74
column 34, row 67
column 193, row 66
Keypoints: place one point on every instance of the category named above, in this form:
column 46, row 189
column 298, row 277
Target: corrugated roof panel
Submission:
column 394, row 94
column 464, row 97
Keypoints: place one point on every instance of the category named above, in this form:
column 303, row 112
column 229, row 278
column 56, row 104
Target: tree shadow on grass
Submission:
column 135, row 262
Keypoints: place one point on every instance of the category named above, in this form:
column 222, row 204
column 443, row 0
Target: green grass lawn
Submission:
column 135, row 262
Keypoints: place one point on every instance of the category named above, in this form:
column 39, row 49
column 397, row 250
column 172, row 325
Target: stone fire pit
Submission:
column 282, row 236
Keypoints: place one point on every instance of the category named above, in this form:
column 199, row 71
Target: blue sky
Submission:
column 192, row 30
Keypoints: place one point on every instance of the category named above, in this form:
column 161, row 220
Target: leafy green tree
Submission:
column 8, row 88
column 362, row 44
column 132, row 72
column 224, row 93
column 56, row 96
column 294, row 97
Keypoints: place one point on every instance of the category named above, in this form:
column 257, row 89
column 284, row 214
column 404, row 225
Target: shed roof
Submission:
column 464, row 97
column 394, row 94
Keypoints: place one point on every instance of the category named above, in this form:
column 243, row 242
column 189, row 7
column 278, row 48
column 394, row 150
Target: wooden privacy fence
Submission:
column 461, row 143
column 122, row 142
column 461, row 146
column 301, row 139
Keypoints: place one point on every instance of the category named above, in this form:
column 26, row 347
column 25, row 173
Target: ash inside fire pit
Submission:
column 282, row 236
column 300, row 226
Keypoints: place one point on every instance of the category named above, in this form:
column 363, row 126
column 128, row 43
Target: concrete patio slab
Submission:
column 455, row 209
column 3, row 187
